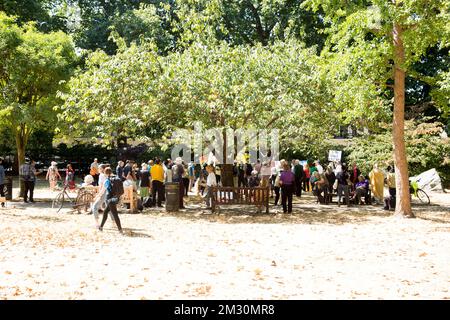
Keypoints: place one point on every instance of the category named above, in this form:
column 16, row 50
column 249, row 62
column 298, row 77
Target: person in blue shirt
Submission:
column 191, row 176
column 111, row 202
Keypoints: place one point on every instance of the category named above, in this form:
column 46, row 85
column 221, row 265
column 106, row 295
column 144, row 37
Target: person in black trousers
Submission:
column 287, row 182
column 157, row 188
column 298, row 172
column 276, row 188
column 111, row 203
column 157, row 174
column 28, row 174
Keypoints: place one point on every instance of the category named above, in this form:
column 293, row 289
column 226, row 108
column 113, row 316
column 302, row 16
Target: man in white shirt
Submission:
column 210, row 183
column 319, row 167
column 101, row 198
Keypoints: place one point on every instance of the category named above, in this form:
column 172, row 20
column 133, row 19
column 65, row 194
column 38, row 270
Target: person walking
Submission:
column 53, row 175
column 2, row 180
column 157, row 174
column 111, row 202
column 287, row 180
column 100, row 198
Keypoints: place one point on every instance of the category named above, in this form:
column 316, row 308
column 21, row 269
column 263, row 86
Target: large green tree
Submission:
column 49, row 15
column 247, row 22
column 222, row 86
column 113, row 96
column 32, row 68
column 372, row 46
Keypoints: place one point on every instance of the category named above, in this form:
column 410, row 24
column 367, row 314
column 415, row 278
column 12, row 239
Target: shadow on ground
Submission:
column 305, row 211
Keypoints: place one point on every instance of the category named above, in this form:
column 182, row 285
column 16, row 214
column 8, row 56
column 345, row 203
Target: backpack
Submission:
column 148, row 202
column 117, row 186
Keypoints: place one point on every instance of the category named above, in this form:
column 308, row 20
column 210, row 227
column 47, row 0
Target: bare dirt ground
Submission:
column 318, row 252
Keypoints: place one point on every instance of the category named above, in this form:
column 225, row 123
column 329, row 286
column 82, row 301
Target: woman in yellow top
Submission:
column 377, row 183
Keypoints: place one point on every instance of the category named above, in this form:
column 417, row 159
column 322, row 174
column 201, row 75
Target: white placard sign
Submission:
column 334, row 155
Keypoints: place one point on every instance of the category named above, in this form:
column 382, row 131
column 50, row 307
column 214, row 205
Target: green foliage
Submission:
column 426, row 149
column 49, row 15
column 113, row 96
column 33, row 66
column 245, row 22
column 239, row 87
column 143, row 24
column 247, row 87
column 359, row 53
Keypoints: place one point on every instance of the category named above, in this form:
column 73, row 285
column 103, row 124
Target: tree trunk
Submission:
column 20, row 145
column 403, row 198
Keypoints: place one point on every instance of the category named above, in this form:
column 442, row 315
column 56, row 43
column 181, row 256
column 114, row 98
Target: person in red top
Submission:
column 70, row 177
column 354, row 175
column 306, row 178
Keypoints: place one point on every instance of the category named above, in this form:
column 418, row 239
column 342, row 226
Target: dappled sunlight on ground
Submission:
column 318, row 252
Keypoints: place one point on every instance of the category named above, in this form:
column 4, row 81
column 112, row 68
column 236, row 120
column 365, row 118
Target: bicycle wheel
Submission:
column 83, row 201
column 58, row 202
column 423, row 197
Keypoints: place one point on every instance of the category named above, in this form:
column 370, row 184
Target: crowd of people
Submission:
column 284, row 178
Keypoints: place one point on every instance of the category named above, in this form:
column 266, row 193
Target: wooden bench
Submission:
column 258, row 196
column 129, row 197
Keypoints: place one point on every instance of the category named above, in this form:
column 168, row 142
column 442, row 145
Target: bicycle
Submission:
column 59, row 200
column 420, row 194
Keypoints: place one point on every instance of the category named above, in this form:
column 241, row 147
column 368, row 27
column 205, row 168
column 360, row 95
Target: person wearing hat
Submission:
column 53, row 175
column 254, row 180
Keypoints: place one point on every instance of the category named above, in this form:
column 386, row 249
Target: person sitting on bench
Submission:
column 320, row 187
column 361, row 190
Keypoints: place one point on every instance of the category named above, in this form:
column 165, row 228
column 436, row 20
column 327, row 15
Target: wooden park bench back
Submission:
column 258, row 196
column 129, row 197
